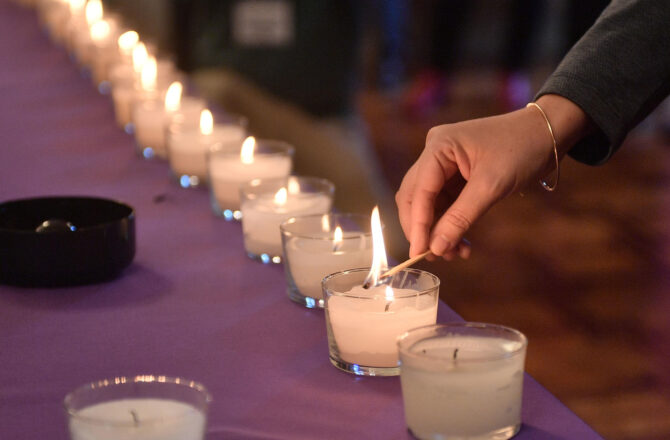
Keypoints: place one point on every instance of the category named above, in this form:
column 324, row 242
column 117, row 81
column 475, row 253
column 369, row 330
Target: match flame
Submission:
column 379, row 262
column 247, row 152
column 173, row 96
column 293, row 186
column 76, row 6
column 93, row 11
column 99, row 30
column 127, row 41
column 337, row 239
column 140, row 56
column 281, row 196
column 206, row 122
column 149, row 74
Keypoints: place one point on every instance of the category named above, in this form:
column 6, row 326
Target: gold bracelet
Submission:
column 544, row 184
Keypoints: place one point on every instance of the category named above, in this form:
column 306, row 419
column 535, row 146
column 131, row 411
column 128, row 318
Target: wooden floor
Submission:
column 583, row 272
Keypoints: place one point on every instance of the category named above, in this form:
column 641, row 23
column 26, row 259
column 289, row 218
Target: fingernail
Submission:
column 439, row 245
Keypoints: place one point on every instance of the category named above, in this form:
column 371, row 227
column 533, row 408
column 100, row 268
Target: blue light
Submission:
column 309, row 302
column 265, row 258
column 73, row 228
column 148, row 153
column 356, row 369
column 104, row 87
column 129, row 128
column 184, row 181
column 228, row 214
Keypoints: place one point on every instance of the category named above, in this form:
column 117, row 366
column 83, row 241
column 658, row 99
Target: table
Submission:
column 191, row 305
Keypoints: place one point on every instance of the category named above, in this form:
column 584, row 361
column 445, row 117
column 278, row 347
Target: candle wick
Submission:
column 455, row 354
column 336, row 247
column 136, row 419
column 388, row 305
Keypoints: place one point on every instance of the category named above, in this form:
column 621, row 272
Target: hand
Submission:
column 496, row 156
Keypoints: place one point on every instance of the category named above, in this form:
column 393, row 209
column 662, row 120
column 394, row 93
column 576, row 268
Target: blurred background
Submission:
column 355, row 86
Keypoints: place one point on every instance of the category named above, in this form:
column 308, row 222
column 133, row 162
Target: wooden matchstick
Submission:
column 405, row 264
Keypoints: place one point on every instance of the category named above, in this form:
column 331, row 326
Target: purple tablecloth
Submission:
column 191, row 304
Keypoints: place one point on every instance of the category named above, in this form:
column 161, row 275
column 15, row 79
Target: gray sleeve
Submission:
column 618, row 72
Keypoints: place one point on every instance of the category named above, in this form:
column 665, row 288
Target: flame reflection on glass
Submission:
column 281, row 196
column 247, row 151
column 337, row 239
column 293, row 186
column 206, row 122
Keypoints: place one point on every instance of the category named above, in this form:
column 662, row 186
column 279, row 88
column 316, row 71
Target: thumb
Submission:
column 473, row 201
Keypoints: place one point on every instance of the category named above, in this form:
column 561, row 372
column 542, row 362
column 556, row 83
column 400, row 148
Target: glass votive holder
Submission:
column 150, row 118
column 188, row 147
column 462, row 380
column 364, row 324
column 313, row 248
column 228, row 169
column 139, row 408
column 267, row 203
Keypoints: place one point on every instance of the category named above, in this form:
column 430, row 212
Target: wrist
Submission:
column 569, row 122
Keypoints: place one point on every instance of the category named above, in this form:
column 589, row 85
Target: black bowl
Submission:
column 64, row 241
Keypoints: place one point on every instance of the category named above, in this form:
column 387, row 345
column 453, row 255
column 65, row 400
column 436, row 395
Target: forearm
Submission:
column 617, row 73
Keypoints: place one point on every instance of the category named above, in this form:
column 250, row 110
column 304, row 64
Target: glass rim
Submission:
column 256, row 183
column 280, row 148
column 405, row 350
column 426, row 291
column 128, row 380
column 312, row 236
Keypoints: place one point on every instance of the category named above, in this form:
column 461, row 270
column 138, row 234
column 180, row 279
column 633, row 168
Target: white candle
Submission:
column 188, row 147
column 150, row 119
column 231, row 165
column 316, row 246
column 461, row 385
column 261, row 219
column 138, row 419
column 365, row 323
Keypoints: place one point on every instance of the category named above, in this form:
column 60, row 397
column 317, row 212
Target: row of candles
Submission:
column 449, row 372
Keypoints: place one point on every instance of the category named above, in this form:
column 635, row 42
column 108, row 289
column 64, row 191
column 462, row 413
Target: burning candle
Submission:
column 318, row 245
column 150, row 117
column 233, row 164
column 363, row 324
column 462, row 380
column 188, row 146
column 267, row 203
column 140, row 408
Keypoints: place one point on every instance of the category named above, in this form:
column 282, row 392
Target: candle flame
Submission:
column 337, row 239
column 247, row 152
column 127, row 41
column 293, row 186
column 140, row 56
column 99, row 30
column 93, row 11
column 149, row 74
column 206, row 122
column 76, row 6
column 281, row 196
column 173, row 96
column 379, row 262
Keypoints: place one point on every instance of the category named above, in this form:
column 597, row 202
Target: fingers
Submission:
column 403, row 199
column 446, row 238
